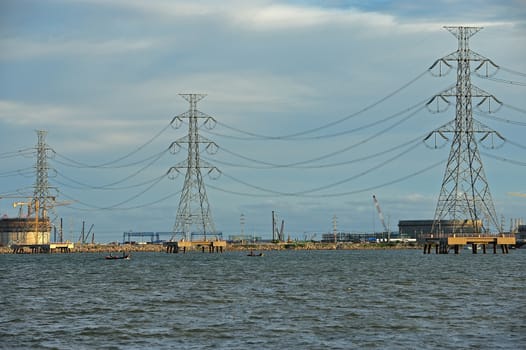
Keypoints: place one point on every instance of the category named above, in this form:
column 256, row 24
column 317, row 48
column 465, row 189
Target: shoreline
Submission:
column 159, row 248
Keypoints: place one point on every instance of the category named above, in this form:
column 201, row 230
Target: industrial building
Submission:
column 521, row 235
column 24, row 231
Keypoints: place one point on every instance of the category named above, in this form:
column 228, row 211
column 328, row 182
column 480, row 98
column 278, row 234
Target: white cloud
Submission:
column 76, row 129
column 24, row 48
column 23, row 114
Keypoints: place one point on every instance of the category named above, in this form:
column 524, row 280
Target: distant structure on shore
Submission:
column 34, row 227
column 24, row 231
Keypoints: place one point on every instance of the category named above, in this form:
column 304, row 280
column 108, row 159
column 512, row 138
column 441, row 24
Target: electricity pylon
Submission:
column 194, row 216
column 43, row 202
column 465, row 193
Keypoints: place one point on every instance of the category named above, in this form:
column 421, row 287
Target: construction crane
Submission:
column 21, row 204
column 517, row 194
column 381, row 216
column 277, row 232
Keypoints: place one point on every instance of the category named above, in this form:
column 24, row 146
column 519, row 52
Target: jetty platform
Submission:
column 59, row 247
column 443, row 245
column 216, row 246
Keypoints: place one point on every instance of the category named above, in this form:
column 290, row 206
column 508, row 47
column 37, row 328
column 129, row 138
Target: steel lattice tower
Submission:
column 194, row 216
column 465, row 193
column 43, row 202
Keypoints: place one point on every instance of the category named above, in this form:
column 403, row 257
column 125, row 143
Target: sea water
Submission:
column 341, row 299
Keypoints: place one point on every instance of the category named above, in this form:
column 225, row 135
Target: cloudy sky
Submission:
column 319, row 105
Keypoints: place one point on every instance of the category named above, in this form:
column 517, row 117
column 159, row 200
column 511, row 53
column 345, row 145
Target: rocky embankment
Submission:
column 135, row 248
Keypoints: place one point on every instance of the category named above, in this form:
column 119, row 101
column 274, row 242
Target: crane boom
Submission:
column 377, row 205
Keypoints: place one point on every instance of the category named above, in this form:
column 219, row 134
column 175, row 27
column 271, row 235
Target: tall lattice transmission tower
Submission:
column 465, row 195
column 43, row 202
column 194, row 216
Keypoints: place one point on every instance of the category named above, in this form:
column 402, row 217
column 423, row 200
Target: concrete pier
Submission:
column 212, row 246
column 444, row 245
column 58, row 247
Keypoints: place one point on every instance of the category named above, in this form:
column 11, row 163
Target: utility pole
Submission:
column 194, row 215
column 464, row 194
column 335, row 228
column 273, row 227
column 242, row 224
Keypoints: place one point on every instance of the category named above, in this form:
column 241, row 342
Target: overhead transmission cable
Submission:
column 106, row 164
column 505, row 81
column 157, row 157
column 13, row 154
column 504, row 120
column 329, row 165
column 512, row 71
column 325, row 126
column 517, row 109
column 82, row 185
column 502, row 159
column 74, row 163
column 116, row 205
column 516, row 144
column 335, row 134
column 316, row 189
column 328, row 155
column 339, row 194
column 139, row 206
column 19, row 172
column 19, row 192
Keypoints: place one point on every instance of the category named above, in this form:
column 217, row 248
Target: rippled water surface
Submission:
column 283, row 300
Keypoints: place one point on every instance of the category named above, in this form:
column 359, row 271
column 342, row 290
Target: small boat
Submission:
column 117, row 257
column 254, row 254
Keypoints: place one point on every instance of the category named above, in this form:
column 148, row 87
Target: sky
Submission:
column 319, row 105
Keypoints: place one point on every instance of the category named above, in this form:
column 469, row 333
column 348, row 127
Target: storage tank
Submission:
column 24, row 231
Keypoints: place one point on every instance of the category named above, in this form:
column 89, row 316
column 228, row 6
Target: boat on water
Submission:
column 117, row 257
column 254, row 254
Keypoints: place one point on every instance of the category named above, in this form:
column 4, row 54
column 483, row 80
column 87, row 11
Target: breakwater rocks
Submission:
column 135, row 248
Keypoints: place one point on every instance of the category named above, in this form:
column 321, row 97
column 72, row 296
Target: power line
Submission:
column 83, row 185
column 334, row 184
column 19, row 172
column 516, row 144
column 504, row 160
column 504, row 120
column 140, row 170
column 505, row 81
column 515, row 108
column 140, row 206
column 339, row 194
column 335, row 134
column 331, row 165
column 512, row 71
column 325, row 126
column 327, row 155
column 20, row 153
column 106, row 164
column 75, row 164
column 116, row 205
